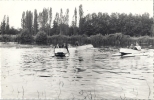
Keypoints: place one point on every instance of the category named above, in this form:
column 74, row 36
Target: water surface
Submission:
column 86, row 74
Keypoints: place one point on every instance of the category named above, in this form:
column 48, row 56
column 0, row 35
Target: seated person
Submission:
column 131, row 46
column 66, row 46
column 76, row 43
column 57, row 46
column 137, row 47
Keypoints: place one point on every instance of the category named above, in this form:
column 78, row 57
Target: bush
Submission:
column 41, row 38
column 25, row 37
column 5, row 38
column 58, row 39
column 17, row 38
column 97, row 40
column 82, row 39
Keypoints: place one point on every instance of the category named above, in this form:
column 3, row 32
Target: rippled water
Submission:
column 87, row 74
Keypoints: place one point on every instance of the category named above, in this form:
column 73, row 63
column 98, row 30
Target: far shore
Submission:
column 17, row 45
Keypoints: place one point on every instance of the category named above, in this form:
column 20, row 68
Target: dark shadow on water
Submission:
column 44, row 76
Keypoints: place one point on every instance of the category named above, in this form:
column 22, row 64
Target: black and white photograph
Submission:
column 77, row 49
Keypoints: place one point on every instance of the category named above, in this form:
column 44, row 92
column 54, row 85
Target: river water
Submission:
column 86, row 74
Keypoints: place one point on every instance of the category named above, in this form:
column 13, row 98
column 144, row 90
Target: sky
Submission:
column 14, row 9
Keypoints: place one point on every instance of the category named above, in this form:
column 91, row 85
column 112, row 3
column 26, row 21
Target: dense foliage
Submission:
column 25, row 37
column 97, row 28
column 5, row 38
column 41, row 38
column 133, row 25
column 90, row 24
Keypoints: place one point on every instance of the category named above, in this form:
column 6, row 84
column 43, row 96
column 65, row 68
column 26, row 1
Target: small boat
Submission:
column 133, row 55
column 83, row 47
column 60, row 52
column 125, row 51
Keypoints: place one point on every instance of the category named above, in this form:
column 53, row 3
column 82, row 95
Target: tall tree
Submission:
column 75, row 15
column 80, row 12
column 81, row 19
column 66, row 17
column 50, row 19
column 72, row 28
column 61, row 21
column 66, row 22
column 61, row 16
column 7, row 25
column 35, row 22
column 57, row 18
column 27, row 21
column 55, row 29
column 23, row 20
column 43, row 19
column 3, row 25
column 74, row 22
column 30, row 22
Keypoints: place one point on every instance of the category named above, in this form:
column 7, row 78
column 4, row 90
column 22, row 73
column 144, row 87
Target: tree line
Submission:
column 90, row 24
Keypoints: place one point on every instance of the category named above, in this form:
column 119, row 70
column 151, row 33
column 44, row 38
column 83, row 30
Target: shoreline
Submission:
column 18, row 45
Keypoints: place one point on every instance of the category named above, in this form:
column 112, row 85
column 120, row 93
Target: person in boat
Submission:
column 131, row 46
column 66, row 46
column 137, row 47
column 76, row 43
column 57, row 46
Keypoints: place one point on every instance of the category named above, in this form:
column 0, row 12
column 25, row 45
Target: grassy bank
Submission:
column 98, row 40
column 121, row 40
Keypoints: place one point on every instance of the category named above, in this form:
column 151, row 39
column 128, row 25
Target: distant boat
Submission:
column 83, row 47
column 125, row 52
column 24, row 46
column 60, row 52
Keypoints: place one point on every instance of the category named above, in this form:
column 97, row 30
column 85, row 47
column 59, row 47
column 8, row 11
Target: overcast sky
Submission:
column 15, row 8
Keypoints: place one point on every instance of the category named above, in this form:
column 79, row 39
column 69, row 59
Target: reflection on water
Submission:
column 87, row 74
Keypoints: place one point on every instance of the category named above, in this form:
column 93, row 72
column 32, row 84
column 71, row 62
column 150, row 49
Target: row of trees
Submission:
column 128, row 24
column 5, row 25
column 90, row 24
